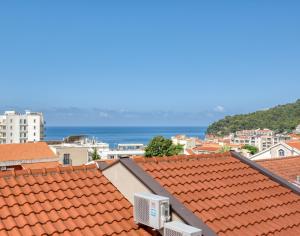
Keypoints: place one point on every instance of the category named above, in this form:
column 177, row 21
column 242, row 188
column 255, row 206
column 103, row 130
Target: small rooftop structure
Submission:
column 16, row 155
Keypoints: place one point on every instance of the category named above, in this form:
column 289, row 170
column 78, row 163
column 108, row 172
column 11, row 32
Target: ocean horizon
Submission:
column 114, row 135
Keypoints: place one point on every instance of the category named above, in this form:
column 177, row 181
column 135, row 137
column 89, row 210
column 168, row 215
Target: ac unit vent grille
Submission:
column 170, row 232
column 142, row 210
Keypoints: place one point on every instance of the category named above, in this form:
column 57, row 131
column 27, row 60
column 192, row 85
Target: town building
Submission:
column 207, row 148
column 255, row 132
column 78, row 151
column 187, row 143
column 297, row 130
column 260, row 138
column 279, row 150
column 64, row 201
column 21, row 128
column 26, row 155
column 123, row 150
column 223, row 194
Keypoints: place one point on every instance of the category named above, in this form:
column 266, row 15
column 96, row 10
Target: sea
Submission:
column 116, row 135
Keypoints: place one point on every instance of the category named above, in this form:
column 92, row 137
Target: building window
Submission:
column 34, row 127
column 34, row 121
column 66, row 160
column 34, row 134
column 281, row 153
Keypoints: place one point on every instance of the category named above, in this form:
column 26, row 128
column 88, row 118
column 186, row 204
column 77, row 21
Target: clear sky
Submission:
column 148, row 62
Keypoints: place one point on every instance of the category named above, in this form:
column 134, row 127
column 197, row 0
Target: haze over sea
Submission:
column 115, row 135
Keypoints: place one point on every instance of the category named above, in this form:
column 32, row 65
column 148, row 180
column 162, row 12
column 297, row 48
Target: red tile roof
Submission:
column 231, row 197
column 40, row 165
column 208, row 147
column 294, row 144
column 65, row 200
column 25, row 151
column 286, row 167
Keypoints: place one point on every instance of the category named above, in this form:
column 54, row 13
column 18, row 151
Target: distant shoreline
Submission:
column 114, row 135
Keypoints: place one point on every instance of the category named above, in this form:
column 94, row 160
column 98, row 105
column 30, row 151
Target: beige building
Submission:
column 71, row 155
column 78, row 153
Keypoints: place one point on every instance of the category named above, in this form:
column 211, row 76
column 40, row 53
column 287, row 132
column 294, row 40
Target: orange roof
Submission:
column 208, row 147
column 63, row 201
column 40, row 165
column 231, row 197
column 25, row 151
column 297, row 136
column 190, row 151
column 286, row 167
column 294, row 144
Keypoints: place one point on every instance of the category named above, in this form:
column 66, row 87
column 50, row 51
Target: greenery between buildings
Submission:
column 253, row 150
column 224, row 149
column 95, row 155
column 160, row 146
column 282, row 118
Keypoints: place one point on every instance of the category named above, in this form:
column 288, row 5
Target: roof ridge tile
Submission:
column 44, row 171
column 180, row 157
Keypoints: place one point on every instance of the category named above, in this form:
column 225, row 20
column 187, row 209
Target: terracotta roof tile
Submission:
column 229, row 196
column 25, row 151
column 40, row 165
column 69, row 201
column 294, row 144
column 287, row 167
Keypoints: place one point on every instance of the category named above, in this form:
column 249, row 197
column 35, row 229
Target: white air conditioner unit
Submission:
column 151, row 210
column 176, row 228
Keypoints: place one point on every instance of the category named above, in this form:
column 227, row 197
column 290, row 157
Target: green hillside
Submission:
column 282, row 118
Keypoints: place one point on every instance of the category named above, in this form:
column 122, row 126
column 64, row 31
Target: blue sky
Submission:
column 148, row 62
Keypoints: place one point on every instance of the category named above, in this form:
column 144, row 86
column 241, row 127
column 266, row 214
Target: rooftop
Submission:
column 286, row 167
column 25, row 151
column 294, row 144
column 63, row 200
column 229, row 195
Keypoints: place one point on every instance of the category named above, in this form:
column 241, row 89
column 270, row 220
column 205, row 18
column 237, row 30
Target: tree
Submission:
column 253, row 150
column 95, row 155
column 160, row 146
column 282, row 118
column 224, row 149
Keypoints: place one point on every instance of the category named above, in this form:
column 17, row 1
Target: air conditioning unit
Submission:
column 151, row 210
column 176, row 228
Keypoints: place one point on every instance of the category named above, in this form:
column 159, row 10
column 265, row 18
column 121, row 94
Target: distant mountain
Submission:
column 282, row 118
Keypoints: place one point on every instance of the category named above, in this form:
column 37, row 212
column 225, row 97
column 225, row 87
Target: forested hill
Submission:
column 280, row 119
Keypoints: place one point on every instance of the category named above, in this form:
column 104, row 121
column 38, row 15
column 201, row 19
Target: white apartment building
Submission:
column 21, row 128
column 297, row 130
column 262, row 139
column 186, row 142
